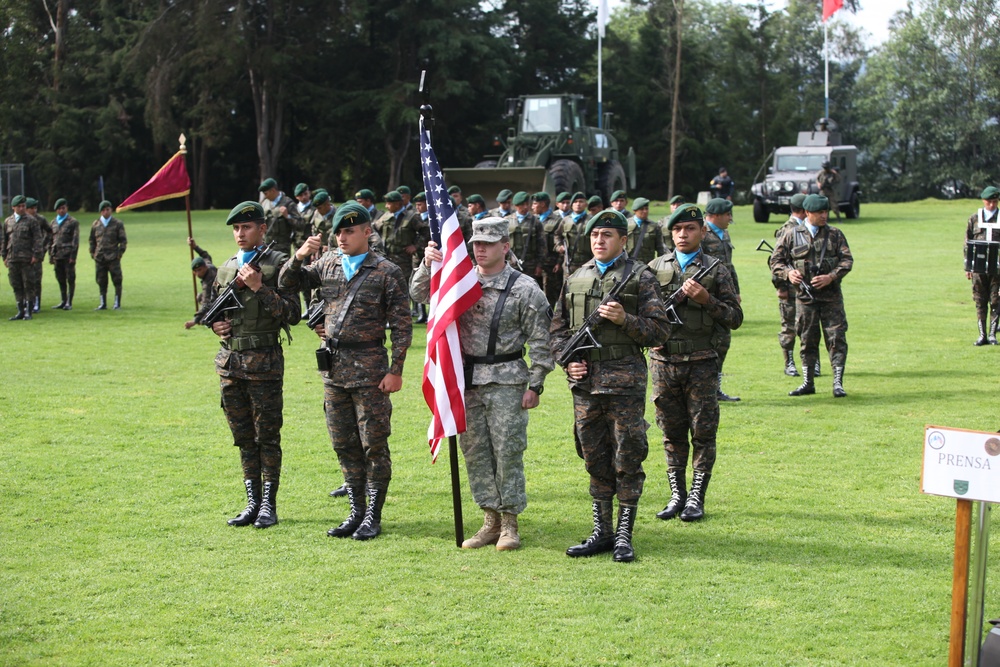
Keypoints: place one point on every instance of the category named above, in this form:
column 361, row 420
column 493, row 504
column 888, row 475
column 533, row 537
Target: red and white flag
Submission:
column 831, row 6
column 454, row 289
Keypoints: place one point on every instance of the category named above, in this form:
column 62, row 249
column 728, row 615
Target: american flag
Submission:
column 454, row 289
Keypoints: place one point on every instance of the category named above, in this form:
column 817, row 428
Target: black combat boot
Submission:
column 61, row 304
column 118, row 301
column 623, row 552
column 356, row 496
column 371, row 527
column 602, row 539
column 807, row 387
column 69, row 298
column 790, row 369
column 340, row 491
column 838, row 382
column 422, row 316
column 678, row 494
column 20, row 312
column 723, row 396
column 992, row 339
column 816, row 372
column 249, row 513
column 694, row 508
column 268, row 514
column 27, row 310
column 104, row 302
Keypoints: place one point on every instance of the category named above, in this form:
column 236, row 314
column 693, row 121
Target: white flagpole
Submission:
column 600, row 96
column 826, row 54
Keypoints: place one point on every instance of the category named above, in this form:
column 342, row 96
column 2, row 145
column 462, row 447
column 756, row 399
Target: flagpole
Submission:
column 187, row 205
column 826, row 76
column 600, row 72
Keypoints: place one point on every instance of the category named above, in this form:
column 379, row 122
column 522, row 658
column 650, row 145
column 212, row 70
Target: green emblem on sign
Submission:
column 961, row 487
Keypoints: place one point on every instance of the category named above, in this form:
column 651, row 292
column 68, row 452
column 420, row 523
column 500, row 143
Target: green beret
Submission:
column 420, row 196
column 60, row 202
column 541, row 196
column 197, row 262
column 685, row 213
column 349, row 215
column 578, row 195
column 18, row 200
column 563, row 196
column 520, row 198
column 320, row 198
column 454, row 189
column 475, row 199
column 403, row 190
column 31, row 202
column 618, row 194
column 595, row 201
column 797, row 201
column 814, row 203
column 677, row 199
column 103, row 205
column 609, row 218
column 364, row 193
column 319, row 191
column 267, row 184
column 504, row 196
column 300, row 188
column 392, row 196
column 640, row 202
column 248, row 211
column 718, row 206
column 990, row 193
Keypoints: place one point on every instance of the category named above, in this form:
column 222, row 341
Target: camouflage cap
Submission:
column 364, row 193
column 541, row 196
column 320, row 198
column 349, row 215
column 609, row 218
column 718, row 206
column 60, row 202
column 18, row 200
column 248, row 211
column 618, row 194
column 640, row 202
column 475, row 199
column 300, row 188
column 403, row 190
column 595, row 201
column 814, row 203
column 685, row 213
column 454, row 189
column 103, row 205
column 267, row 184
column 197, row 262
column 420, row 196
column 31, row 202
column 990, row 193
column 563, row 196
column 489, row 230
column 797, row 201
column 504, row 196
column 578, row 195
column 520, row 198
column 392, row 196
column 677, row 199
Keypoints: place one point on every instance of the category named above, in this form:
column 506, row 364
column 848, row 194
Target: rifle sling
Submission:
column 363, row 272
column 638, row 242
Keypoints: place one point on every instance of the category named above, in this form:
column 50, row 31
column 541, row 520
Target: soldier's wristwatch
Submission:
column 538, row 390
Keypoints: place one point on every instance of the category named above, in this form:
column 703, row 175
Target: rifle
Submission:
column 228, row 300
column 315, row 314
column 584, row 339
column 515, row 260
column 677, row 298
column 764, row 246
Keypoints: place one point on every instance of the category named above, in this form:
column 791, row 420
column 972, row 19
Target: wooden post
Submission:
column 960, row 582
column 187, row 205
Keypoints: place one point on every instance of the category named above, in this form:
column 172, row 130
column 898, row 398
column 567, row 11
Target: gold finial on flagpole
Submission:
column 183, row 140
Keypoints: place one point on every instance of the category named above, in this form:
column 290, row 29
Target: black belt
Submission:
column 493, row 358
column 336, row 344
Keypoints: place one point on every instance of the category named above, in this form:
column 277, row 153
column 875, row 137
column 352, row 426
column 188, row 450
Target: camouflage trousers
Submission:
column 358, row 420
column 786, row 308
column 553, row 285
column 65, row 273
column 986, row 294
column 493, row 446
column 687, row 401
column 103, row 268
column 253, row 409
column 829, row 316
column 611, row 434
column 832, row 196
column 723, row 340
column 21, row 276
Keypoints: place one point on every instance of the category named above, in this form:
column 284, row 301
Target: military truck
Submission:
column 550, row 148
column 795, row 168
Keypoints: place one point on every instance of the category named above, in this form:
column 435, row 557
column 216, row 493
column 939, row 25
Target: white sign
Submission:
column 961, row 464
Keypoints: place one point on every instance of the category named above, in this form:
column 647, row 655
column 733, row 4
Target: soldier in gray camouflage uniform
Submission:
column 206, row 271
column 65, row 247
column 500, row 388
column 251, row 365
column 985, row 286
column 786, row 291
column 279, row 208
column 22, row 246
column 609, row 383
column 361, row 292
column 717, row 243
column 107, row 246
column 684, row 368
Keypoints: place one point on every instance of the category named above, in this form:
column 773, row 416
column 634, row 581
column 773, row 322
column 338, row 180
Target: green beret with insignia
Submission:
column 403, row 190
column 349, row 215
column 609, row 218
column 454, row 189
column 392, row 196
column 618, row 194
column 595, row 201
column 504, row 196
column 18, row 200
column 578, row 195
column 990, row 193
column 640, row 202
column 248, row 211
column 60, row 202
column 31, row 202
column 364, row 193
column 197, row 262
column 103, row 205
column 520, row 198
column 815, row 203
column 320, row 198
column 267, row 184
column 677, row 199
column 797, row 201
column 420, row 196
column 476, row 199
column 489, row 230
column 718, row 206
column 563, row 196
column 300, row 188
column 541, row 196
column 685, row 213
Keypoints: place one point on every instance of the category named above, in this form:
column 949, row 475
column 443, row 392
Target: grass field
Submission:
column 118, row 475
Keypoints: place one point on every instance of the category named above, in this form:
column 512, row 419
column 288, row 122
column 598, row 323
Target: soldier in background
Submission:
column 477, row 207
column 278, row 211
column 504, row 207
column 645, row 237
column 31, row 208
column 107, row 246
column 362, row 293
column 462, row 211
column 251, row 365
column 685, row 384
column 552, row 264
column 65, row 247
column 985, row 287
column 675, row 202
column 619, row 202
column 500, row 390
column 828, row 182
column 562, row 204
column 407, row 195
column 301, row 213
column 22, row 245
column 527, row 240
column 403, row 233
column 366, row 198
column 609, row 383
column 594, row 206
column 202, row 267
column 717, row 243
column 571, row 239
column 722, row 186
column 786, row 292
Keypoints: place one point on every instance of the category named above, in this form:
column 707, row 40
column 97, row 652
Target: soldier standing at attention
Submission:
column 500, row 388
column 645, row 238
column 716, row 243
column 279, row 212
column 22, row 246
column 251, row 365
column 361, row 292
column 31, row 208
column 407, row 195
column 608, row 384
column 203, row 268
column 462, row 211
column 619, row 201
column 477, row 207
column 366, row 198
column 403, row 234
column 504, row 207
column 65, row 246
column 594, row 206
column 684, row 368
column 526, row 237
column 786, row 292
column 301, row 213
column 562, row 204
column 571, row 237
column 828, row 182
column 107, row 245
column 985, row 287
column 818, row 256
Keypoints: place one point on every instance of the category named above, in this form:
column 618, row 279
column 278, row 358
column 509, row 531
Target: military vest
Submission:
column 253, row 326
column 812, row 256
column 396, row 235
column 648, row 251
column 696, row 332
column 585, row 290
column 576, row 240
column 523, row 239
column 549, row 228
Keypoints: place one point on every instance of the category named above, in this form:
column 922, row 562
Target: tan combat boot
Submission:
column 509, row 539
column 488, row 534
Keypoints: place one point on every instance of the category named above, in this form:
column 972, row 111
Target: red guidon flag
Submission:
column 830, row 6
column 454, row 289
column 169, row 182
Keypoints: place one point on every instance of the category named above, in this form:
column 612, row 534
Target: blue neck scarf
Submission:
column 480, row 216
column 604, row 266
column 351, row 263
column 61, row 218
column 685, row 258
column 718, row 232
column 544, row 216
column 520, row 218
column 813, row 231
column 244, row 256
column 577, row 217
column 105, row 221
column 424, row 215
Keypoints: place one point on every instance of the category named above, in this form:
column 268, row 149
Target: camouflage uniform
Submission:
column 464, row 221
column 985, row 287
column 552, row 264
column 828, row 181
column 63, row 252
column 786, row 294
column 46, row 230
column 23, row 242
column 653, row 244
column 527, row 241
column 281, row 228
column 208, row 292
column 107, row 245
column 405, row 228
column 572, row 237
column 496, row 436
column 721, row 248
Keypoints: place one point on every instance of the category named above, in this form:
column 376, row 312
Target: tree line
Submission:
column 309, row 90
